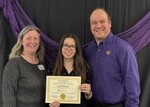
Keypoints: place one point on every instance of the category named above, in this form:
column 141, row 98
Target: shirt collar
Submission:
column 65, row 73
column 104, row 42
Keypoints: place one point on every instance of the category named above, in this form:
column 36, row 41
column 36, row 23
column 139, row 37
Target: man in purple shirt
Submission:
column 115, row 77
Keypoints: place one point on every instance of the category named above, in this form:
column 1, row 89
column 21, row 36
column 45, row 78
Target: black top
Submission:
column 83, row 100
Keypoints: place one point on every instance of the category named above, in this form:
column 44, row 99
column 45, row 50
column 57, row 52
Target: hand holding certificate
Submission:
column 64, row 89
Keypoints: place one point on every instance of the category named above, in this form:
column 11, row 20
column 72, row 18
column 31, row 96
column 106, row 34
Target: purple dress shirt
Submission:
column 115, row 76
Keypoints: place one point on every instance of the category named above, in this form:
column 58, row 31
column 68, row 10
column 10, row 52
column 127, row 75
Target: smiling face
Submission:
column 69, row 48
column 30, row 42
column 100, row 25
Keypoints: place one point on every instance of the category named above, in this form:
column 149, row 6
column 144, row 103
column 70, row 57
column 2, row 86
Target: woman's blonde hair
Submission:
column 18, row 48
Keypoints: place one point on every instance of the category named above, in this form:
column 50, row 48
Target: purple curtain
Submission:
column 137, row 36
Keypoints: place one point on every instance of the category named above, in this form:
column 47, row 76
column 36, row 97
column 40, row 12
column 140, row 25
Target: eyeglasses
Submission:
column 72, row 47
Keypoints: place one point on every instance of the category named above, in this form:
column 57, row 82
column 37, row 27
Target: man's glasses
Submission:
column 72, row 47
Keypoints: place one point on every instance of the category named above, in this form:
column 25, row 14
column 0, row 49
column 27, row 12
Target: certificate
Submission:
column 64, row 89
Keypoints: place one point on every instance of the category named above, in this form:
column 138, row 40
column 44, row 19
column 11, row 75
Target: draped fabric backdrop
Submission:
column 130, row 21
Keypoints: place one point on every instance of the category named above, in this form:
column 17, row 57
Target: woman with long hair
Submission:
column 70, row 62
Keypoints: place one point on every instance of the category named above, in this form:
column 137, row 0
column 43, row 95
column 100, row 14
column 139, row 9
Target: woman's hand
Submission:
column 86, row 88
column 54, row 104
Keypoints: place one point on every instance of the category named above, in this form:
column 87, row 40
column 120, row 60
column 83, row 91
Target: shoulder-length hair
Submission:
column 80, row 66
column 18, row 48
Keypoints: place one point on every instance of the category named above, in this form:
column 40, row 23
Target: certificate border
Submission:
column 48, row 80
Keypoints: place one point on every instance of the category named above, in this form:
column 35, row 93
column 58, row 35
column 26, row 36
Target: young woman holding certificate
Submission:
column 70, row 62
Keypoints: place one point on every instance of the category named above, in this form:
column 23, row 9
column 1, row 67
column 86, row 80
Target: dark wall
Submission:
column 7, row 40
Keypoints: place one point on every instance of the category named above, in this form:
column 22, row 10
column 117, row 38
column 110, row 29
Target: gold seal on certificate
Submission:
column 62, row 96
column 64, row 89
